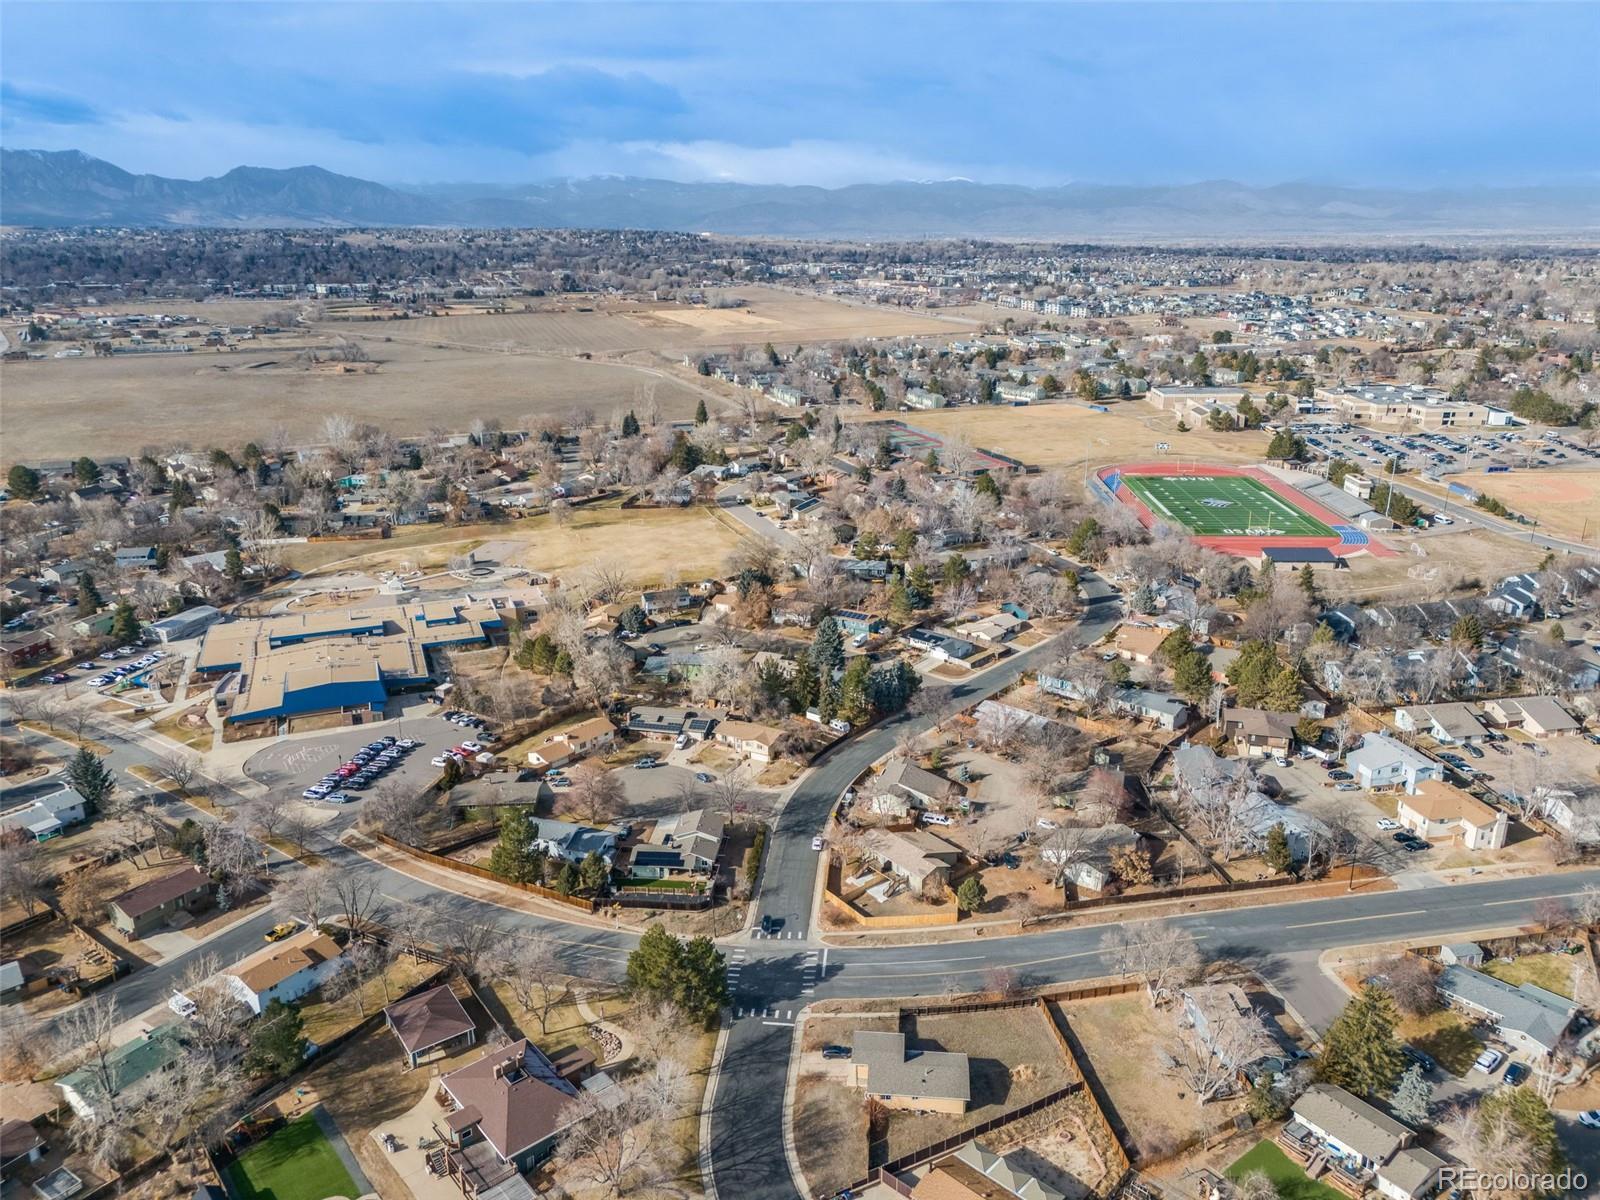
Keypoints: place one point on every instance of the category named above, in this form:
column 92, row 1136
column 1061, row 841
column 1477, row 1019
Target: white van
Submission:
column 936, row 819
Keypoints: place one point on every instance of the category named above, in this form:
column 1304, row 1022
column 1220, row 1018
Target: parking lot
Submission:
column 295, row 764
column 1444, row 452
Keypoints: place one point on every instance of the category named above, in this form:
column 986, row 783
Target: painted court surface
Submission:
column 1223, row 506
column 1237, row 510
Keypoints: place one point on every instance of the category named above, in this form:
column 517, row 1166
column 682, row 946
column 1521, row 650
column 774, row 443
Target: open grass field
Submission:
column 1563, row 502
column 646, row 542
column 100, row 406
column 1223, row 506
column 1070, row 434
column 1552, row 972
column 296, row 1163
column 1292, row 1183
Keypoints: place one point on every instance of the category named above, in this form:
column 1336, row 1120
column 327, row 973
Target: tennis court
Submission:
column 1223, row 506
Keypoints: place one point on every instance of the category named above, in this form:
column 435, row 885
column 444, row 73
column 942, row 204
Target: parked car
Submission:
column 704, row 777
column 929, row 818
column 1347, row 787
column 314, row 793
column 1340, row 776
column 1515, row 1074
column 1388, row 823
column 281, row 930
column 1424, row 1061
column 836, row 1052
column 182, row 1005
column 1488, row 1061
column 1590, row 1119
column 1473, row 750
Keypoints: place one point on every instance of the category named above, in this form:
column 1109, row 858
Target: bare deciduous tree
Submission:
column 532, row 974
column 1207, row 1061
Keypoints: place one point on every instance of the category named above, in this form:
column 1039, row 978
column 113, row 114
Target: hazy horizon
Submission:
column 1380, row 95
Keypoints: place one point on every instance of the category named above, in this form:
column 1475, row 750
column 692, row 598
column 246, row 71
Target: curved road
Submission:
column 772, row 978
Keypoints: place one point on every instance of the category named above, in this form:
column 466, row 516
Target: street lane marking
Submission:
column 1532, row 899
column 1412, row 912
column 786, row 1024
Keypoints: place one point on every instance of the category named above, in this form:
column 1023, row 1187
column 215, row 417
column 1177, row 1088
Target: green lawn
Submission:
column 1290, row 1180
column 296, row 1163
column 1238, row 506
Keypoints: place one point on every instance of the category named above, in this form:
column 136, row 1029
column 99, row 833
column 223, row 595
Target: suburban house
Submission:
column 29, row 646
column 508, row 1109
column 1440, row 811
column 20, row 1144
column 148, row 906
column 1000, row 627
column 1209, row 1008
column 1382, row 762
column 684, row 844
column 858, row 624
column 974, row 1172
column 921, row 858
column 430, row 1025
column 1088, row 864
column 286, row 971
column 594, row 736
column 666, row 724
column 1163, row 710
column 922, row 788
column 920, row 1080
column 1303, row 831
column 1257, row 733
column 1529, row 1017
column 46, row 817
column 1444, row 723
column 571, row 842
column 666, row 600
column 1536, row 716
column 999, row 721
column 1139, row 643
column 129, row 1068
column 750, row 738
column 1364, row 1145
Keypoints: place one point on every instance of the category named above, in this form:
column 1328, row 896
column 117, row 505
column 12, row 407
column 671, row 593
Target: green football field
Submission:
column 1223, row 506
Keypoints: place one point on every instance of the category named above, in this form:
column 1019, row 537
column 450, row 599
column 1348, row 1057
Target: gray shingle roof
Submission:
column 894, row 1071
column 1352, row 1121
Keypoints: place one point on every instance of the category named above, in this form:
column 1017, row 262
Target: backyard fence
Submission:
column 450, row 864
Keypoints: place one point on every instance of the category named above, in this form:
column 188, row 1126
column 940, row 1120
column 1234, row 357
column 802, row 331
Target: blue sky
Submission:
column 1408, row 94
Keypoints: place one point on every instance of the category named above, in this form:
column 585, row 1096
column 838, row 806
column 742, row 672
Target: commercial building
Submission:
column 1413, row 404
column 346, row 660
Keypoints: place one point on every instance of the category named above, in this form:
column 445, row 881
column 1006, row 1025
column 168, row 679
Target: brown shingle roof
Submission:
column 308, row 948
column 151, row 895
column 519, row 1096
column 428, row 1018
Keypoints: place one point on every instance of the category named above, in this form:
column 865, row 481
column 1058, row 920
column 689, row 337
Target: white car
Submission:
column 473, row 746
column 439, row 760
column 936, row 819
column 816, row 843
column 1590, row 1118
column 1388, row 823
column 182, row 1005
column 1488, row 1061
column 1047, row 823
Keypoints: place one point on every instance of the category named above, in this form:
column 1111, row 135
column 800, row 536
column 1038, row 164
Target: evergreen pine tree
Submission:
column 700, row 414
column 124, row 623
column 827, row 648
column 1413, row 1099
column 233, row 564
column 1277, row 854
column 971, row 894
column 90, row 778
column 630, row 425
column 1283, row 694
column 1361, row 1053
column 89, row 598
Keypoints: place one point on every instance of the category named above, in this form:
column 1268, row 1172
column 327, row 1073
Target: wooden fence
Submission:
column 450, row 864
column 945, row 916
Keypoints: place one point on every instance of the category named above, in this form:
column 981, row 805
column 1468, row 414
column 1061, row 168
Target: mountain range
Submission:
column 67, row 188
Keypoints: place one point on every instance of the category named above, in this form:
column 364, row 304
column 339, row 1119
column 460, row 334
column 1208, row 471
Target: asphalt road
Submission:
column 1469, row 515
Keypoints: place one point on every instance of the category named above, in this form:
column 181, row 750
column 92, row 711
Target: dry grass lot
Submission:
column 1061, row 435
column 1553, row 972
column 1459, row 557
column 1121, row 1036
column 1563, row 502
column 646, row 542
column 101, row 406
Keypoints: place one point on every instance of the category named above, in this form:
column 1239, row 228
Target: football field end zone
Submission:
column 1112, row 481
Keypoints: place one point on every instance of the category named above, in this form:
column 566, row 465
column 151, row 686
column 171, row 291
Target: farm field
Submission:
column 1222, row 506
column 1068, row 434
column 1562, row 501
column 100, row 406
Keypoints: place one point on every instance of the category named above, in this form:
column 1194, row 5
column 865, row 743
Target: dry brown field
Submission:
column 1068, row 434
column 1460, row 557
column 1563, row 502
column 643, row 542
column 99, row 406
